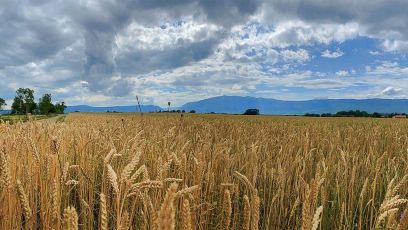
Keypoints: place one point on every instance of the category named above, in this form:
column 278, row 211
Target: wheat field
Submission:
column 166, row 171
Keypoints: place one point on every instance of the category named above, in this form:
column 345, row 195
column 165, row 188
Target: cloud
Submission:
column 388, row 68
column 300, row 55
column 342, row 73
column 374, row 53
column 335, row 54
column 395, row 46
column 28, row 33
column 380, row 19
column 391, row 91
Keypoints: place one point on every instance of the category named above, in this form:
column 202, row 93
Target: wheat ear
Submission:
column 167, row 213
column 113, row 179
column 23, row 201
column 246, row 223
column 130, row 167
column 70, row 219
column 317, row 218
column 255, row 211
column 125, row 221
column 5, row 179
column 226, row 209
column 186, row 215
column 55, row 202
column 384, row 215
column 104, row 213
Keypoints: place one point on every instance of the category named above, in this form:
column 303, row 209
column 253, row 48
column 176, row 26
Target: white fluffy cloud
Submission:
column 335, row 54
column 342, row 73
column 391, row 91
column 300, row 55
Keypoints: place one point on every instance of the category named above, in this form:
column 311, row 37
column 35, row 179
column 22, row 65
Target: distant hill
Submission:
column 125, row 109
column 238, row 105
column 5, row 111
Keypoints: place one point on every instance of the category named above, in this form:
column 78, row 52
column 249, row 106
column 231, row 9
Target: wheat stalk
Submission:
column 403, row 223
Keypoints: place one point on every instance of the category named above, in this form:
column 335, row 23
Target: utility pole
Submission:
column 140, row 108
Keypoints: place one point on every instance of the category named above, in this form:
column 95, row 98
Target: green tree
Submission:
column 17, row 106
column 251, row 112
column 2, row 103
column 45, row 104
column 24, row 101
column 60, row 107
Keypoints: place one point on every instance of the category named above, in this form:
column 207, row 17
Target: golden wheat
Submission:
column 103, row 212
column 233, row 172
column 246, row 219
column 166, row 216
column 186, row 216
column 25, row 205
column 70, row 221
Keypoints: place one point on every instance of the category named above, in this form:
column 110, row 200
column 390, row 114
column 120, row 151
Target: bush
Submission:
column 252, row 112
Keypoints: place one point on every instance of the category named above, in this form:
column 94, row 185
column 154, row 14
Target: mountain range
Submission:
column 238, row 104
column 123, row 109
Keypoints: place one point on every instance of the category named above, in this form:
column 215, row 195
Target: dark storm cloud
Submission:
column 28, row 34
column 379, row 18
column 142, row 62
column 229, row 12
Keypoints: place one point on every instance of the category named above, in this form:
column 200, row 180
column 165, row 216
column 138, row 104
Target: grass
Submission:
column 163, row 171
column 23, row 118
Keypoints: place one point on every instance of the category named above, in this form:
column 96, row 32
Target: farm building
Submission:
column 400, row 116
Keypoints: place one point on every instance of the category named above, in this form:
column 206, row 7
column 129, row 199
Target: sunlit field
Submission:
column 167, row 171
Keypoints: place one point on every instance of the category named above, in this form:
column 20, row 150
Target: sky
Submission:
column 105, row 52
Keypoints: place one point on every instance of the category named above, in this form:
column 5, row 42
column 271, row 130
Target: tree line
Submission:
column 354, row 113
column 24, row 103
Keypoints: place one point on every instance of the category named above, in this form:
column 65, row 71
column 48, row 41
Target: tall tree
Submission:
column 17, row 106
column 2, row 103
column 24, row 101
column 60, row 107
column 45, row 104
